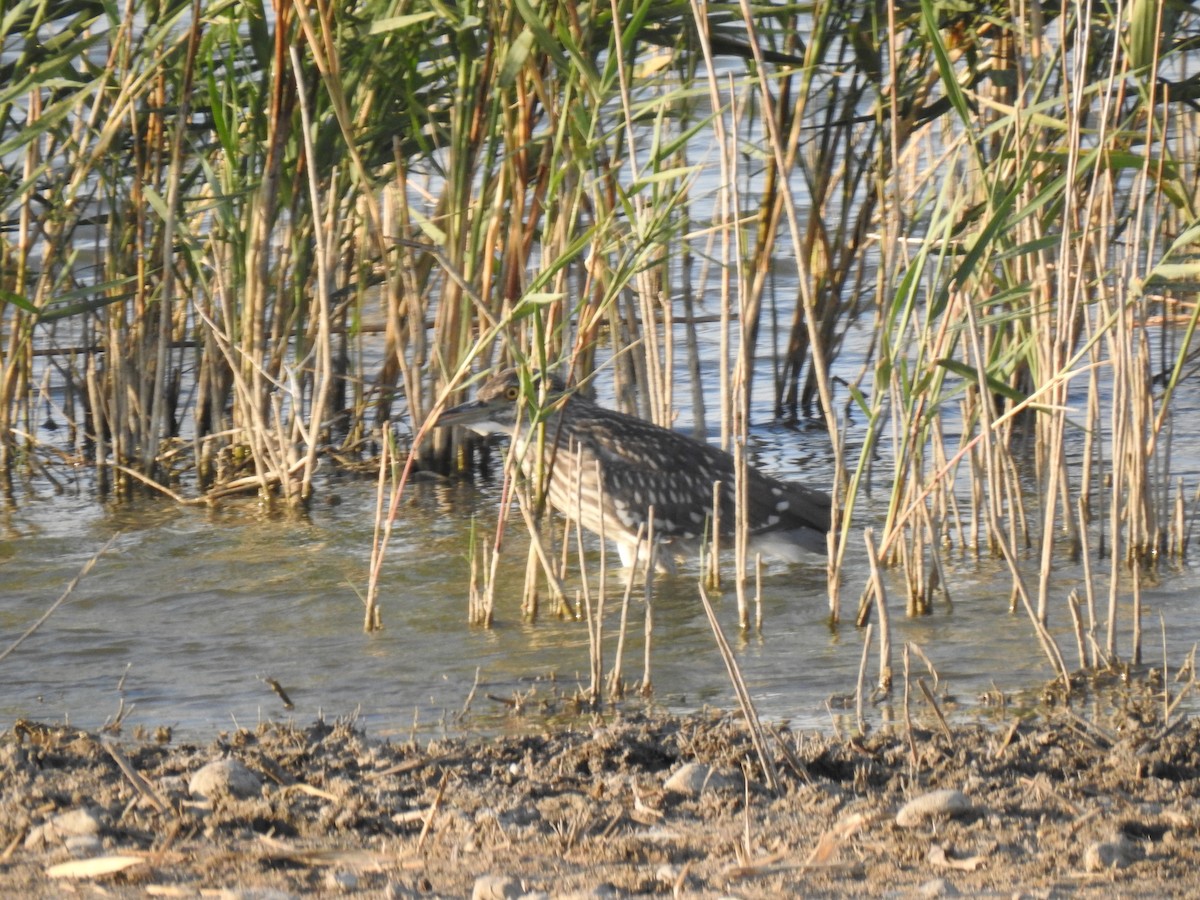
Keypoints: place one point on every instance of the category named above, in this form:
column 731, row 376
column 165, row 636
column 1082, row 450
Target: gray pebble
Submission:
column 944, row 804
column 691, row 779
column 224, row 778
column 81, row 846
column 1113, row 854
column 76, row 821
column 937, row 887
column 73, row 823
column 341, row 881
column 599, row 892
column 496, row 887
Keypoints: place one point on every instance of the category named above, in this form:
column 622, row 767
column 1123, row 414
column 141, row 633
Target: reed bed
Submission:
column 241, row 242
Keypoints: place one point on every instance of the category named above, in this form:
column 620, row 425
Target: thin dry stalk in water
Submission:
column 70, row 589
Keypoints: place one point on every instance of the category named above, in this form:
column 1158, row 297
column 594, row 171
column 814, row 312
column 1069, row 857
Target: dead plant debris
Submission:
column 587, row 811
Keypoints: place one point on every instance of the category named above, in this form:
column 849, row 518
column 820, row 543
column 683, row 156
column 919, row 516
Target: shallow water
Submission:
column 192, row 610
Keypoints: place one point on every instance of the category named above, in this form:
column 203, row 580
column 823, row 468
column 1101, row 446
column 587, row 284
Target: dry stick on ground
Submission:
column 87, row 567
column 135, row 778
column 433, row 810
column 743, row 695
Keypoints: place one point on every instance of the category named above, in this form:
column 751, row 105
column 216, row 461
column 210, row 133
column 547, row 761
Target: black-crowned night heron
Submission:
column 605, row 464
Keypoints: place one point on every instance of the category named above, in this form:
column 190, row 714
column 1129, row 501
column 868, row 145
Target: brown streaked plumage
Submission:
column 603, row 463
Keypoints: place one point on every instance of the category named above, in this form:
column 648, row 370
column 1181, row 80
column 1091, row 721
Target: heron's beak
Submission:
column 476, row 415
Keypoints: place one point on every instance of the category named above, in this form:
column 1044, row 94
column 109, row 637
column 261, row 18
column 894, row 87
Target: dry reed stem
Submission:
column 647, row 686
column 749, row 712
column 860, row 682
column 616, row 682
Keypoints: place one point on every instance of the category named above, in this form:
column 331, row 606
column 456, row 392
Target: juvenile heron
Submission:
column 604, row 464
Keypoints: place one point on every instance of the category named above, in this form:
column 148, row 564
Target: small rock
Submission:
column 38, row 838
column 692, row 778
column 83, row 845
column 599, row 892
column 936, row 804
column 224, row 778
column 937, row 887
column 1114, row 854
column 75, row 823
column 496, row 887
column 341, row 881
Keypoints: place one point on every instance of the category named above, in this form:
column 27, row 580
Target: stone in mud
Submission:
column 496, row 887
column 691, row 779
column 945, row 804
column 342, row 881
column 83, row 845
column 224, row 778
column 1116, row 853
column 73, row 823
column 937, row 887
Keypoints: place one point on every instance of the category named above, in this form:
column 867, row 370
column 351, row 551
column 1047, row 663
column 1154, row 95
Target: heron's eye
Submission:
column 512, row 392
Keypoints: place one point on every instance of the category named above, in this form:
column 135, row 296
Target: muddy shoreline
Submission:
column 638, row 804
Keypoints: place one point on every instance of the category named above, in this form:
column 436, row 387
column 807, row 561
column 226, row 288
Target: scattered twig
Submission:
column 437, row 802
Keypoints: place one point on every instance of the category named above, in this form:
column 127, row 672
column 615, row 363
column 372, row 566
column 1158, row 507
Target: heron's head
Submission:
column 494, row 409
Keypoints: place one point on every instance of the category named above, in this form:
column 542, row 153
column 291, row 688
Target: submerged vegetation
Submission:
column 241, row 242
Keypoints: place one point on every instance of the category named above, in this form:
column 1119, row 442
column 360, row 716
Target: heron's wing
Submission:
column 786, row 505
column 642, row 465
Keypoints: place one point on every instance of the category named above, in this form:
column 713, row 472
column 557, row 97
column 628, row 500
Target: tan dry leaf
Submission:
column 94, row 867
column 832, row 840
column 362, row 859
column 937, row 856
column 314, row 791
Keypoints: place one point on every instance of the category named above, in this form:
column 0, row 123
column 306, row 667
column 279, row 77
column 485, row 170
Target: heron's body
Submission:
column 607, row 469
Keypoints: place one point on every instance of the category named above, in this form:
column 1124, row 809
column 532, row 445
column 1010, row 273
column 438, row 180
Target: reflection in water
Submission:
column 193, row 610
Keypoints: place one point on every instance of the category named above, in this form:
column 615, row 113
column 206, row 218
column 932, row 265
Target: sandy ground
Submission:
column 639, row 804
